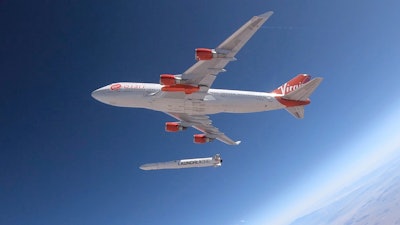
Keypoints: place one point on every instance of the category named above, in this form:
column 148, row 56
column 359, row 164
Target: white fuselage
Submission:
column 150, row 96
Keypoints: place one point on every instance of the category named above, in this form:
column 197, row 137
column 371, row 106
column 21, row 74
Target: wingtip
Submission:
column 267, row 14
column 237, row 142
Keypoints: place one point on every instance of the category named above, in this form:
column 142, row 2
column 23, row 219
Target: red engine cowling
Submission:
column 168, row 79
column 173, row 127
column 188, row 89
column 200, row 139
column 204, row 54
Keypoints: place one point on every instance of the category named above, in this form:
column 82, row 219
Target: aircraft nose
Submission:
column 100, row 94
column 107, row 94
column 96, row 94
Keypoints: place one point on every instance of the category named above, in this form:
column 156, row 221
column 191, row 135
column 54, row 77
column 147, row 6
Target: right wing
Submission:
column 203, row 124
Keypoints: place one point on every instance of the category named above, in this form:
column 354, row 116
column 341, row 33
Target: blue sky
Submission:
column 68, row 159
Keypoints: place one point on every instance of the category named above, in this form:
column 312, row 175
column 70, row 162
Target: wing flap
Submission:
column 204, row 124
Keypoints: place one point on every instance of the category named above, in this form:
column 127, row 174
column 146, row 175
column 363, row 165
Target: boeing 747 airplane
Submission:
column 188, row 97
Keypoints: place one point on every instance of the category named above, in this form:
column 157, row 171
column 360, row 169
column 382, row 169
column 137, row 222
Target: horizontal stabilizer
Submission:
column 296, row 111
column 302, row 93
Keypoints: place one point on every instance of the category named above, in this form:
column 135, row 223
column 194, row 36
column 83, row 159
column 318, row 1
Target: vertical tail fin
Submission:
column 296, row 92
column 293, row 84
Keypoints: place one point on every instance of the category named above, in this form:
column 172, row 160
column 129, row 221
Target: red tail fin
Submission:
column 293, row 84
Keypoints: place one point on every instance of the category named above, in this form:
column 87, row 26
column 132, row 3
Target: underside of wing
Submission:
column 203, row 124
column 213, row 61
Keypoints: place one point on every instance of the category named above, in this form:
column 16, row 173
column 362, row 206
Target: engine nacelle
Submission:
column 169, row 79
column 205, row 54
column 201, row 139
column 186, row 88
column 208, row 54
column 174, row 127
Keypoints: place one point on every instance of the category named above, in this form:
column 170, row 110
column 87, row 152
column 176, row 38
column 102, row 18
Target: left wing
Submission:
column 203, row 124
column 201, row 76
column 203, row 73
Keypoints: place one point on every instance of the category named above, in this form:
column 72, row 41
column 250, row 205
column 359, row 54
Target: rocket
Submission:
column 214, row 161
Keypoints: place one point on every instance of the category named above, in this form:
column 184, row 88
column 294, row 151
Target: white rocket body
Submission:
column 214, row 161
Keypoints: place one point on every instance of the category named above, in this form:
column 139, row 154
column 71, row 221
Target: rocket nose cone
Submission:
column 145, row 167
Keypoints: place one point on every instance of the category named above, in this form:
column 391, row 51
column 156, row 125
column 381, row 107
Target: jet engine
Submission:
column 174, row 127
column 208, row 54
column 169, row 79
column 205, row 54
column 201, row 139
